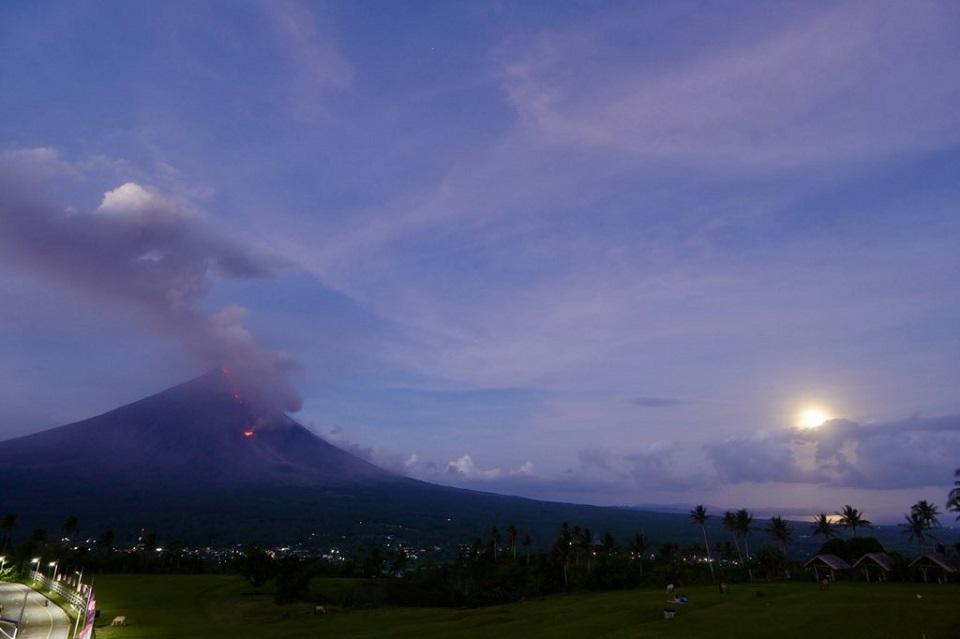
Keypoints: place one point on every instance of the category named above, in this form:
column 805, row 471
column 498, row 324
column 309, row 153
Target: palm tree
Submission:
column 562, row 548
column 585, row 543
column 699, row 516
column 780, row 530
column 744, row 522
column 527, row 541
column 953, row 499
column 106, row 540
column 852, row 518
column 927, row 512
column 916, row 528
column 71, row 526
column 744, row 527
column 732, row 526
column 823, row 526
column 495, row 541
column 512, row 534
column 638, row 546
column 8, row 523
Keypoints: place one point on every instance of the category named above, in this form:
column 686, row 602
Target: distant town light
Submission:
column 248, row 432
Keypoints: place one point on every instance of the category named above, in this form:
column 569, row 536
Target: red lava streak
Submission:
column 248, row 432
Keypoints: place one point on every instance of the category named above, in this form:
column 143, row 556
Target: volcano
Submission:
column 202, row 463
column 201, row 432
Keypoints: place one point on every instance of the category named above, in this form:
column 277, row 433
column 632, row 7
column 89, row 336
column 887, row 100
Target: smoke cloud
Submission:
column 150, row 255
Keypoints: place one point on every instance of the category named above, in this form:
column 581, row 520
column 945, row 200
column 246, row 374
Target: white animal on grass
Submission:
column 118, row 621
column 669, row 588
column 320, row 610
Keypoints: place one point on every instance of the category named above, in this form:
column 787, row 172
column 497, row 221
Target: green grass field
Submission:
column 211, row 607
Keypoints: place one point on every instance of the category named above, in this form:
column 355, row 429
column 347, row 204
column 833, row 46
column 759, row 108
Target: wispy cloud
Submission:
column 835, row 87
column 658, row 402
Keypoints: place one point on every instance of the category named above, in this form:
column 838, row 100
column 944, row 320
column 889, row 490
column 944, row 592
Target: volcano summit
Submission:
column 203, row 463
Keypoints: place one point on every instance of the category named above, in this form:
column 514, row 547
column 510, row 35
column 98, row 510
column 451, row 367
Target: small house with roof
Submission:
column 826, row 566
column 878, row 563
column 937, row 563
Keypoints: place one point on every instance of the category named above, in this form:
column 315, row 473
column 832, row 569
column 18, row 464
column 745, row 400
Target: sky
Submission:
column 599, row 252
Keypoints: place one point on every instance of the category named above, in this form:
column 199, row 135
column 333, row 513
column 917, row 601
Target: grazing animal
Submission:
column 824, row 583
column 118, row 621
column 320, row 610
column 724, row 588
column 669, row 588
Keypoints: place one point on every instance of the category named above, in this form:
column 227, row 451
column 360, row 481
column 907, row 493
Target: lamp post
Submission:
column 53, row 572
column 36, row 560
column 3, row 562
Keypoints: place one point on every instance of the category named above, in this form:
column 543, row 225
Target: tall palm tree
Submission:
column 823, row 526
column 744, row 522
column 916, row 528
column 699, row 516
column 744, row 527
column 512, row 534
column 780, row 530
column 8, row 523
column 71, row 525
column 927, row 512
column 106, row 541
column 495, row 541
column 585, row 544
column 638, row 546
column 953, row 499
column 732, row 526
column 852, row 518
column 526, row 542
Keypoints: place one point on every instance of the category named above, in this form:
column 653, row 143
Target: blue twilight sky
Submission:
column 594, row 251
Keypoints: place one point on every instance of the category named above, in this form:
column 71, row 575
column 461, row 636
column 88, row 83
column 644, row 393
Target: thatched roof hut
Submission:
column 826, row 565
column 938, row 563
column 880, row 562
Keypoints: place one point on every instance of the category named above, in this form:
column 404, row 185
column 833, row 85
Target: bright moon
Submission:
column 812, row 418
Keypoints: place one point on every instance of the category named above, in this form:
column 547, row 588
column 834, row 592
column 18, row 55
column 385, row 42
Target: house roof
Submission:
column 880, row 559
column 938, row 560
column 830, row 561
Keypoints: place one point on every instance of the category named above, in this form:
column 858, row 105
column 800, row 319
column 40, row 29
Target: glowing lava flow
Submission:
column 248, row 432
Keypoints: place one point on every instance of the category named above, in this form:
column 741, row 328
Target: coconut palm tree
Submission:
column 744, row 527
column 744, row 523
column 526, row 542
column 495, row 541
column 638, row 546
column 106, row 541
column 823, row 526
column 780, row 530
column 699, row 517
column 8, row 523
column 585, row 543
column 953, row 499
column 927, row 512
column 852, row 518
column 71, row 526
column 730, row 523
column 916, row 528
column 512, row 534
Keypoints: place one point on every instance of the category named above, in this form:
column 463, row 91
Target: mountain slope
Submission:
column 201, row 463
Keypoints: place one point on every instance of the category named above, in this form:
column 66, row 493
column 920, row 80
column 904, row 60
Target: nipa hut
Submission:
column 879, row 563
column 938, row 564
column 826, row 566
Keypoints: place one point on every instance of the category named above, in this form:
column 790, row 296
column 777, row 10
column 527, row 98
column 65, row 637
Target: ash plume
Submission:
column 151, row 256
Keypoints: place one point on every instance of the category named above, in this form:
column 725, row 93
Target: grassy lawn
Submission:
column 211, row 607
